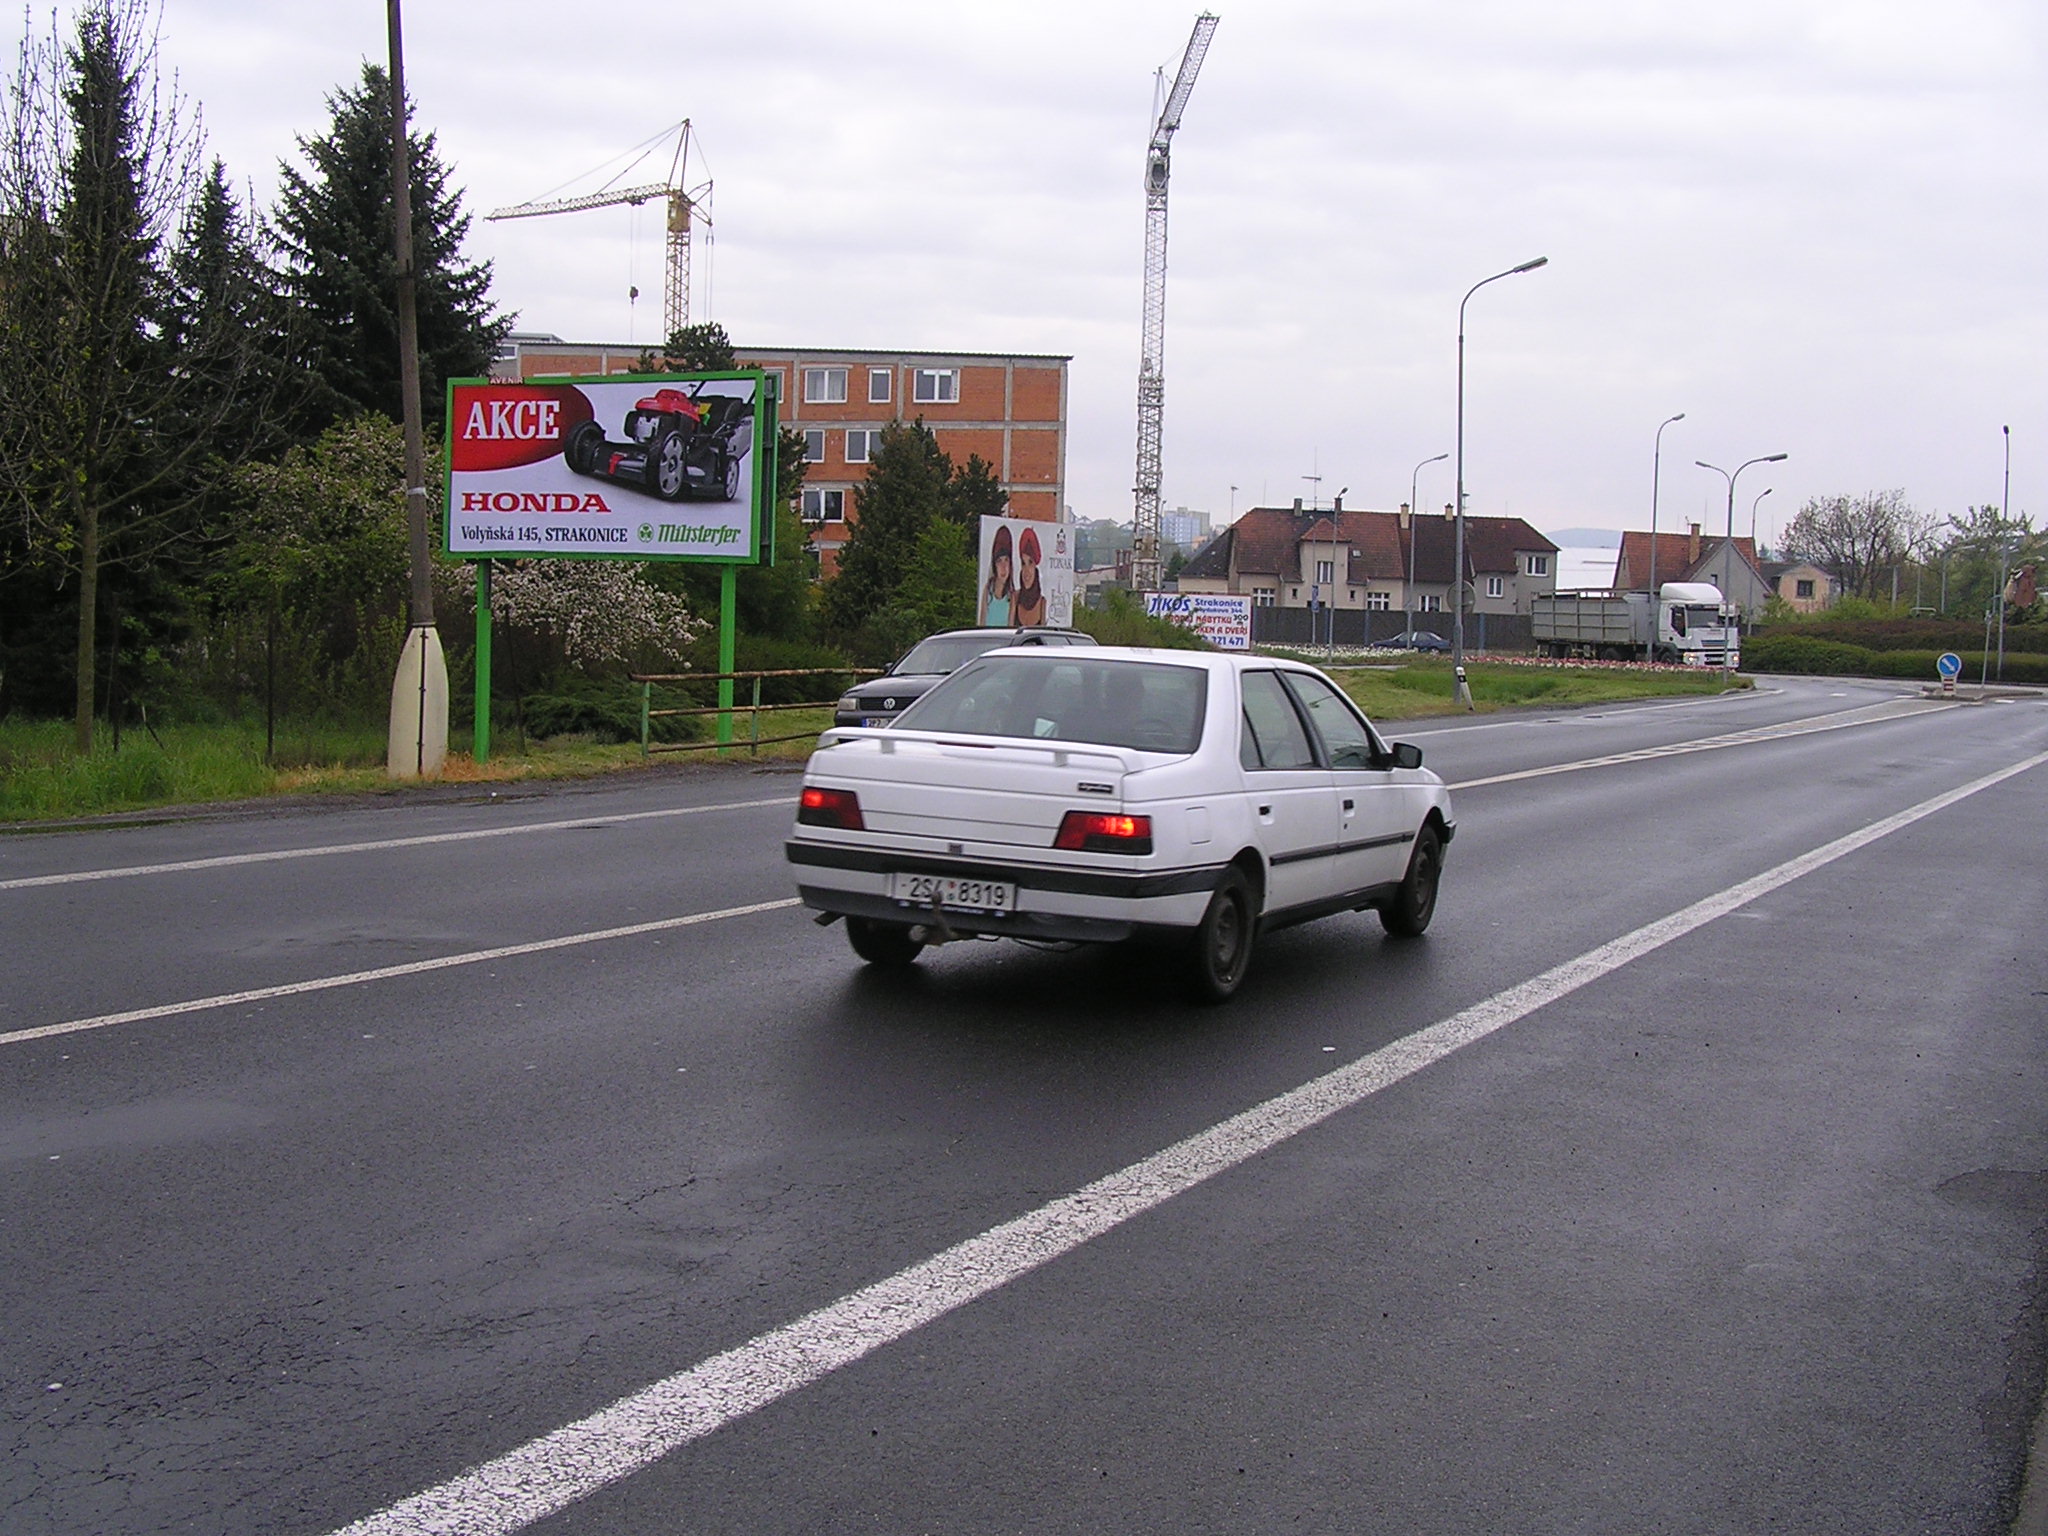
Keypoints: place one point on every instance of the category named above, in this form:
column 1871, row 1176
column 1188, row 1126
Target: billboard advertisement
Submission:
column 644, row 467
column 1027, row 573
column 1218, row 617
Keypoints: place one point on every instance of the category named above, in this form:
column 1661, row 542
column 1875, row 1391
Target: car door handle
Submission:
column 1349, row 806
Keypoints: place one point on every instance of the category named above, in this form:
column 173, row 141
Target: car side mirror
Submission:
column 1407, row 755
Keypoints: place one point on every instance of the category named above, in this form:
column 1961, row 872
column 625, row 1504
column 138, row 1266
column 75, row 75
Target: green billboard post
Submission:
column 667, row 466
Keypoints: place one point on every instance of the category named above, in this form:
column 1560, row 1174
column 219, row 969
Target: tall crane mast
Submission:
column 1152, row 358
column 685, row 204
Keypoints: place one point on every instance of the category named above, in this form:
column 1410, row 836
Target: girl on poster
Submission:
column 1030, row 606
column 998, row 597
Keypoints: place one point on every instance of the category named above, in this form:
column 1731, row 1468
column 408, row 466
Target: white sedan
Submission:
column 1112, row 793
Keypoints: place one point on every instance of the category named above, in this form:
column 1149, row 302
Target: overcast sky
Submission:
column 1814, row 227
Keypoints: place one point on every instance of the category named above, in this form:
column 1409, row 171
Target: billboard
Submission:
column 638, row 467
column 1027, row 573
column 1218, row 617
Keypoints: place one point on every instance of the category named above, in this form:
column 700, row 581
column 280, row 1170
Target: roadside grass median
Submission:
column 1425, row 686
column 42, row 779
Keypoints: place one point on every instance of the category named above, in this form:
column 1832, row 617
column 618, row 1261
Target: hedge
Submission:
column 1834, row 658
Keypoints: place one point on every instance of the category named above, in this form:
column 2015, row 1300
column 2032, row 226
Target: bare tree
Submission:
column 116, row 421
column 1857, row 539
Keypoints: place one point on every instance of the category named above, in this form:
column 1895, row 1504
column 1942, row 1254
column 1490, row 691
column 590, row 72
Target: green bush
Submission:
column 1780, row 652
column 604, row 709
column 1777, row 652
column 1887, row 634
column 766, row 653
column 1122, row 620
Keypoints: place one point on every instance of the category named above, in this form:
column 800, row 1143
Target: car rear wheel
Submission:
column 881, row 943
column 1223, row 942
column 1414, row 904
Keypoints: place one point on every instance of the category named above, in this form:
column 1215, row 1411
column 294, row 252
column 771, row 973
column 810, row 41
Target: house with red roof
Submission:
column 1730, row 564
column 1375, row 561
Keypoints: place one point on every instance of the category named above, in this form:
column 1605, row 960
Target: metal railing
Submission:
column 753, row 711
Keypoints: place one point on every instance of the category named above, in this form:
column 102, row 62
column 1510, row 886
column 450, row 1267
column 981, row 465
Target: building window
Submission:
column 814, row 445
column 824, row 506
column 879, row 386
column 861, row 444
column 1431, row 603
column 1497, row 586
column 1535, row 565
column 1379, row 602
column 1803, row 588
column 824, row 386
column 936, row 386
column 1326, row 572
column 1262, row 597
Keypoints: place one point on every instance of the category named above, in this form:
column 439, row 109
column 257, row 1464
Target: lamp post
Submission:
column 1728, row 541
column 2004, row 516
column 1656, row 464
column 1464, row 693
column 1760, row 495
column 1414, row 517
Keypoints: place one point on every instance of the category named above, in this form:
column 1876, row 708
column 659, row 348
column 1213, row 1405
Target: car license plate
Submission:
column 876, row 719
column 954, row 892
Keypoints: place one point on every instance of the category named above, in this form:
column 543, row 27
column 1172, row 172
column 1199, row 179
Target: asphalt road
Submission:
column 1690, row 1176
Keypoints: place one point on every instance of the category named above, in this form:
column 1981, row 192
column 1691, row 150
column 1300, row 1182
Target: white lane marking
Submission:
column 386, row 972
column 228, row 860
column 1869, row 714
column 546, row 1475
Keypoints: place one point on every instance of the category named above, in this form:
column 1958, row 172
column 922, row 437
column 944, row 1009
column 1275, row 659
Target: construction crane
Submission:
column 685, row 205
column 1152, row 358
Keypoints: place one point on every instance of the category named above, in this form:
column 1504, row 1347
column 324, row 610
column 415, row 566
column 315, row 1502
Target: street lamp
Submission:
column 2004, row 518
column 1414, row 517
column 1656, row 463
column 1464, row 693
column 1728, row 542
column 1760, row 495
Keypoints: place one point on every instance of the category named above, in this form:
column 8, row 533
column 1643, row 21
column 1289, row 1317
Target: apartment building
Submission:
column 1011, row 409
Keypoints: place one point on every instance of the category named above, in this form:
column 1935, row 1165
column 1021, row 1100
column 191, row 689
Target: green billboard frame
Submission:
column 765, row 453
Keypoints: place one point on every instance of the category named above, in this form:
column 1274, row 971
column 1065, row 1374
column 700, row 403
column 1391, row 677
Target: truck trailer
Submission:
column 1690, row 624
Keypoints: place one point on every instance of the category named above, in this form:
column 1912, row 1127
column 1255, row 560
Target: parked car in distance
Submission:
column 880, row 700
column 1412, row 640
column 1110, row 793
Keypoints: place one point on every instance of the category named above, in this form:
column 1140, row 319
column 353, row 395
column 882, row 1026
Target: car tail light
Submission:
column 830, row 808
column 1099, row 832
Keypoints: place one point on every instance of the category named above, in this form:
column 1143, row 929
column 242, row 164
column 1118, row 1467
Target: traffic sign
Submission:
column 1948, row 664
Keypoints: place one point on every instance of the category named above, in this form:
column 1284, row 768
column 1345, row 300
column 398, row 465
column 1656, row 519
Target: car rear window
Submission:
column 942, row 653
column 1150, row 706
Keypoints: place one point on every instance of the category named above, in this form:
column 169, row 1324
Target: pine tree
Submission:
column 220, row 281
column 904, row 490
column 335, row 228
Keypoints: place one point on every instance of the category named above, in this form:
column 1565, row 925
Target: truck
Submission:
column 1690, row 624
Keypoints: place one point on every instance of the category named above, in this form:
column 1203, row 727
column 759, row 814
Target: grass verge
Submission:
column 42, row 780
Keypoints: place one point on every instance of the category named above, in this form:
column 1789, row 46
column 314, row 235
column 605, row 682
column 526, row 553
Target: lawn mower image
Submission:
column 679, row 446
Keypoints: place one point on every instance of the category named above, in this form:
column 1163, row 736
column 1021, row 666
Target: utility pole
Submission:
column 418, row 740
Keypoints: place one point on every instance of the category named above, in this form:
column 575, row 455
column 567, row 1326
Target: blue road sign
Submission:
column 1948, row 664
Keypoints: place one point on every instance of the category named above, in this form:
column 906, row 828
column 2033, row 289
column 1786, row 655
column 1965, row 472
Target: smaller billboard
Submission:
column 1225, row 621
column 645, row 467
column 1027, row 573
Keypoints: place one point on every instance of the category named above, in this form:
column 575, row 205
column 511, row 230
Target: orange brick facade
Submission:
column 1011, row 410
